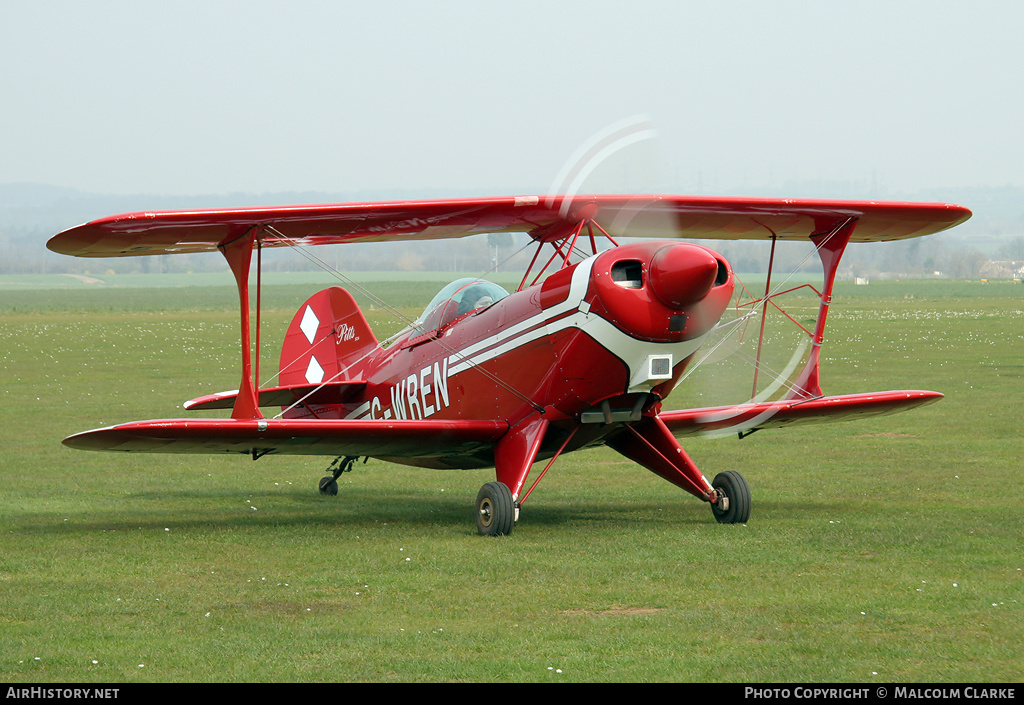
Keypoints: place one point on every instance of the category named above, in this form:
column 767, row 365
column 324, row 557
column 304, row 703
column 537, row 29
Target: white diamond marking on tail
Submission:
column 309, row 324
column 314, row 372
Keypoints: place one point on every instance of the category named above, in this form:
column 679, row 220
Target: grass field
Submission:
column 877, row 551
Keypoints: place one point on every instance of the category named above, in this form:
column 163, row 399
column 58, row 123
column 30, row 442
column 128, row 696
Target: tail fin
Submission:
column 327, row 336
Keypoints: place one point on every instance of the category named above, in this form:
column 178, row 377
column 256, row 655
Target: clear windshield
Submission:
column 459, row 297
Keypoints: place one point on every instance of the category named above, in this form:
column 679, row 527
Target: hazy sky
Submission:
column 178, row 97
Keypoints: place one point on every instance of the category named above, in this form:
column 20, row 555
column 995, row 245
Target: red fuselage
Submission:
column 608, row 336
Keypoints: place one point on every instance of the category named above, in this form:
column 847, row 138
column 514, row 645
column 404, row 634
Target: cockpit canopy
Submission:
column 458, row 298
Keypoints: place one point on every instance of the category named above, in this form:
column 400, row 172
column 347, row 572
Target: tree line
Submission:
column 24, row 252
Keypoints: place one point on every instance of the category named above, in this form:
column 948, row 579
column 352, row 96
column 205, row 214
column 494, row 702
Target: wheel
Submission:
column 328, row 486
column 734, row 502
column 495, row 510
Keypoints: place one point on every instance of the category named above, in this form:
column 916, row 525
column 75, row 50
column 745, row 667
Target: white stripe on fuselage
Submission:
column 630, row 350
column 526, row 331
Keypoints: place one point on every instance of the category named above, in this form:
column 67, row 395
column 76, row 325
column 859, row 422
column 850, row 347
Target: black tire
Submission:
column 737, row 492
column 495, row 510
column 328, row 486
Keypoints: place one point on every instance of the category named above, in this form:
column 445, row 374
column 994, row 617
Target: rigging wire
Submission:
column 413, row 324
column 574, row 248
column 746, row 357
column 816, row 251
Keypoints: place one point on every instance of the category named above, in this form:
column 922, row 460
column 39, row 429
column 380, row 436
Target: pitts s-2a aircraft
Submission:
column 579, row 356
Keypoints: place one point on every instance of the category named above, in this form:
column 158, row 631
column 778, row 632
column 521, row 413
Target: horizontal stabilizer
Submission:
column 396, row 439
column 326, row 393
column 744, row 418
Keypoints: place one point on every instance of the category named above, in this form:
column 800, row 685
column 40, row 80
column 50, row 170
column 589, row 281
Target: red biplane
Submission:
column 582, row 353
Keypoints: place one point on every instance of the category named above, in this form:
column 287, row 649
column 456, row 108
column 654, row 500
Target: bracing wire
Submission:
column 779, row 377
column 410, row 324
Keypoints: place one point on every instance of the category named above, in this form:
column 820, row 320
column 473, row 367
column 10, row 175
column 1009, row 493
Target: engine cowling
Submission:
column 662, row 291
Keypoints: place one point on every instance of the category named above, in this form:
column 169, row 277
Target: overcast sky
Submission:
column 206, row 97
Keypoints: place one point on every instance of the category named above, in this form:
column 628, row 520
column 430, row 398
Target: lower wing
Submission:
column 746, row 418
column 405, row 439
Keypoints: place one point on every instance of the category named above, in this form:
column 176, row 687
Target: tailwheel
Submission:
column 329, row 485
column 495, row 510
column 733, row 505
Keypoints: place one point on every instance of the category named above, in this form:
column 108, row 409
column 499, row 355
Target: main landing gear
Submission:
column 495, row 510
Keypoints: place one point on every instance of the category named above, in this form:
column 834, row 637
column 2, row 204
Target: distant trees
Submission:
column 1013, row 250
column 24, row 252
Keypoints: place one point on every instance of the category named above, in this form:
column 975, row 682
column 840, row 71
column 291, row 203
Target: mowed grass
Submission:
column 880, row 550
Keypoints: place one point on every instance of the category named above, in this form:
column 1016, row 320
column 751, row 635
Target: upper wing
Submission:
column 744, row 418
column 165, row 232
column 405, row 439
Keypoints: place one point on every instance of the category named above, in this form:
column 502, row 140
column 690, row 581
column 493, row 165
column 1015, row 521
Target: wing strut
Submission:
column 764, row 312
column 830, row 248
column 238, row 253
column 563, row 233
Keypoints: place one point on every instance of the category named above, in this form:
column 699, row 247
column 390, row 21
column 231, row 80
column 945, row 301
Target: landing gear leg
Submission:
column 329, row 485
